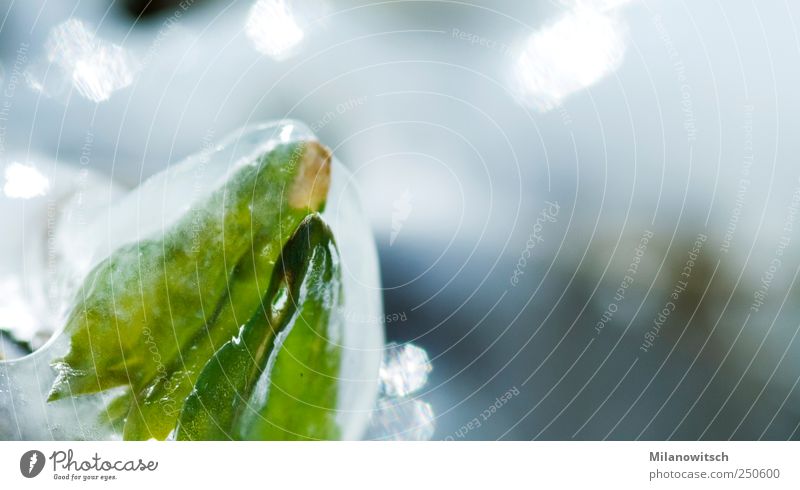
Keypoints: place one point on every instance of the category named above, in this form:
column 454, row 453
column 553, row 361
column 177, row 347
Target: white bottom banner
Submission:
column 387, row 465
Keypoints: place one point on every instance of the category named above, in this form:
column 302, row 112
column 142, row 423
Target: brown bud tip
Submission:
column 313, row 178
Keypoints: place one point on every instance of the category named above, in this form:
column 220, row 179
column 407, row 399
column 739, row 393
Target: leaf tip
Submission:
column 311, row 183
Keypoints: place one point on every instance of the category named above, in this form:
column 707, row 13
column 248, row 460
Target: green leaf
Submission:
column 159, row 403
column 152, row 314
column 295, row 396
column 239, row 390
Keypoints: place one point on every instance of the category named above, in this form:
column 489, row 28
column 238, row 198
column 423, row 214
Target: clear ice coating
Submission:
column 402, row 419
column 44, row 207
column 404, row 370
column 58, row 254
column 397, row 416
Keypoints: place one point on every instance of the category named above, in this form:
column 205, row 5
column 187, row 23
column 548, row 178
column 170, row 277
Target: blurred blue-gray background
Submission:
column 586, row 210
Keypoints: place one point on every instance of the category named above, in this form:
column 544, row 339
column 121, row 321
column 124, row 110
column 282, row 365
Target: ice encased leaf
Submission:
column 151, row 211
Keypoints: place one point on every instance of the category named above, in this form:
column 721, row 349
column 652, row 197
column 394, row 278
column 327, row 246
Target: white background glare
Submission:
column 95, row 67
column 272, row 28
column 24, row 181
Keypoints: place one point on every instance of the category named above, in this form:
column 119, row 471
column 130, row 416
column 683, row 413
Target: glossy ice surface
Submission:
column 150, row 211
